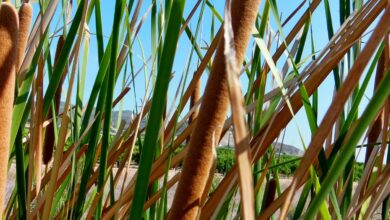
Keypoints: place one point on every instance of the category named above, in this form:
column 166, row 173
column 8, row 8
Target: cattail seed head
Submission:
column 25, row 15
column 211, row 117
column 49, row 134
column 194, row 98
column 269, row 193
column 9, row 26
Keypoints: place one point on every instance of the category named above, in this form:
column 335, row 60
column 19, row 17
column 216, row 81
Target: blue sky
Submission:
column 142, row 48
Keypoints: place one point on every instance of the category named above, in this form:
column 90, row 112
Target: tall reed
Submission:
column 83, row 180
column 211, row 117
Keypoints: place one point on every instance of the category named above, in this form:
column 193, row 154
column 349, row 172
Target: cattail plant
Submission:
column 211, row 117
column 9, row 25
column 253, row 42
column 195, row 96
column 269, row 194
column 25, row 15
column 49, row 133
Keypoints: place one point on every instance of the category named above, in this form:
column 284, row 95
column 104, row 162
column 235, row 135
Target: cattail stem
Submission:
column 211, row 117
column 9, row 26
column 25, row 15
column 39, row 125
column 49, row 134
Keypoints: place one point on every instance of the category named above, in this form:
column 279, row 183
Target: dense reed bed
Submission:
column 114, row 110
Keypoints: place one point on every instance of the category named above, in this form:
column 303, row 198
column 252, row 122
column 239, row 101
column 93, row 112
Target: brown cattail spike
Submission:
column 49, row 142
column 25, row 15
column 195, row 174
column 9, row 26
column 49, row 134
column 269, row 193
column 194, row 99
